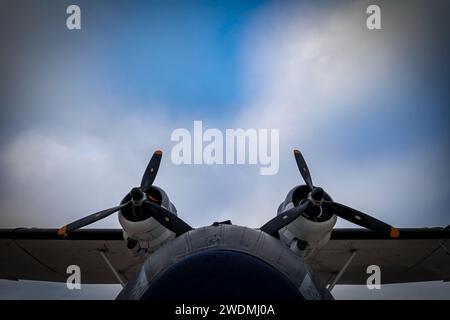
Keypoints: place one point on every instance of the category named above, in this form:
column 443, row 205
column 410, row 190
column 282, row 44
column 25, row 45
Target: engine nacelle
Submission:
column 143, row 233
column 305, row 234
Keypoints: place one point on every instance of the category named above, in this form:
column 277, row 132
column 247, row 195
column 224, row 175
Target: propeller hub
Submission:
column 136, row 195
column 314, row 211
column 316, row 196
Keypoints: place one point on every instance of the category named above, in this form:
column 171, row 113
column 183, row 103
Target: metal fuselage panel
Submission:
column 224, row 262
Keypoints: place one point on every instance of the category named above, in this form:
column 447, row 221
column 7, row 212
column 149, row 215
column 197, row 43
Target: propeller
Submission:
column 167, row 218
column 303, row 168
column 64, row 230
column 150, row 172
column 315, row 203
column 164, row 216
column 283, row 219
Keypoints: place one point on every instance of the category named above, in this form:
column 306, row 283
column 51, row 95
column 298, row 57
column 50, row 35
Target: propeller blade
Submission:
column 167, row 218
column 64, row 230
column 284, row 218
column 152, row 169
column 303, row 168
column 361, row 219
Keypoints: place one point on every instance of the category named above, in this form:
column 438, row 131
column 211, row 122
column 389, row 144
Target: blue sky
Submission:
column 180, row 53
column 370, row 109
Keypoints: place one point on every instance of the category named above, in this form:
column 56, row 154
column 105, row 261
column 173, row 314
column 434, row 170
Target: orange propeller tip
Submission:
column 62, row 231
column 158, row 152
column 395, row 233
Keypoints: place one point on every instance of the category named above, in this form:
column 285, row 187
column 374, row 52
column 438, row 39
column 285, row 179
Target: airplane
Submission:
column 297, row 255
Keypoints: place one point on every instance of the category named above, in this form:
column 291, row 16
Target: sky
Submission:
column 83, row 110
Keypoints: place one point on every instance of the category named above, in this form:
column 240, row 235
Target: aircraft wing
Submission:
column 40, row 254
column 418, row 255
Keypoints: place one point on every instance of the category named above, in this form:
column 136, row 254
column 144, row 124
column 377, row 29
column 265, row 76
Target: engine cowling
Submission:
column 309, row 231
column 143, row 233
